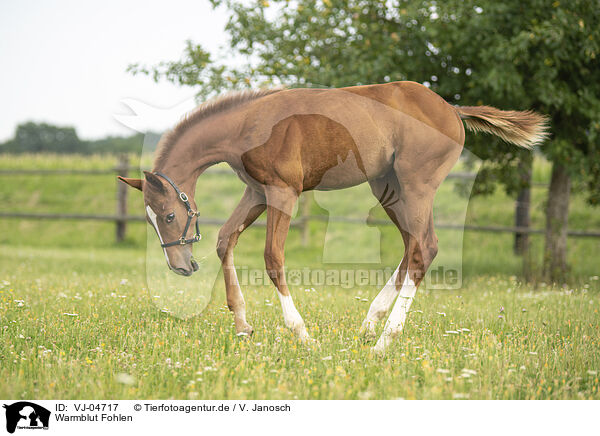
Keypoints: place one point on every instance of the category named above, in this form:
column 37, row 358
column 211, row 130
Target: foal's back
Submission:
column 417, row 101
column 336, row 138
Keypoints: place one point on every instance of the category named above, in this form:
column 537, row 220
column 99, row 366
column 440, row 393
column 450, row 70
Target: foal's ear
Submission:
column 154, row 180
column 134, row 183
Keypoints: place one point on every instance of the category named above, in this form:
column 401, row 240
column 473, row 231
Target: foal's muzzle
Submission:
column 186, row 272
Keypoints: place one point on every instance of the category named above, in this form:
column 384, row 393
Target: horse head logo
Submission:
column 24, row 414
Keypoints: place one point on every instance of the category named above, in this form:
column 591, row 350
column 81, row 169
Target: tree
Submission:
column 515, row 54
column 124, row 144
column 31, row 137
column 544, row 56
column 45, row 138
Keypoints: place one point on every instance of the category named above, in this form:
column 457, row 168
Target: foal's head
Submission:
column 173, row 221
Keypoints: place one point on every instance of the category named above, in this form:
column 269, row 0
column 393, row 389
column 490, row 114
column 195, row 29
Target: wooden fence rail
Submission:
column 121, row 218
column 297, row 222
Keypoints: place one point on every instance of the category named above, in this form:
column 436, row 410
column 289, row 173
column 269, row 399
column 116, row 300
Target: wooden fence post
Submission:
column 122, row 170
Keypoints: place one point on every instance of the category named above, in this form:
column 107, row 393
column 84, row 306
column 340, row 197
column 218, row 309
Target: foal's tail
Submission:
column 522, row 128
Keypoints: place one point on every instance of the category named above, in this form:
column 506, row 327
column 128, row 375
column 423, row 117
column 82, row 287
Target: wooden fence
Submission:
column 121, row 216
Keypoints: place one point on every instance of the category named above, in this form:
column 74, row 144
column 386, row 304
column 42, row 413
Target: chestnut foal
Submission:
column 401, row 138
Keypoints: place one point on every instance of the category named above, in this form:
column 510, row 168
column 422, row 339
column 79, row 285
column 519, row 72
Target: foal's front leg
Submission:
column 279, row 211
column 250, row 207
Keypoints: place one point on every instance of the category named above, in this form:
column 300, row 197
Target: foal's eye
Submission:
column 170, row 217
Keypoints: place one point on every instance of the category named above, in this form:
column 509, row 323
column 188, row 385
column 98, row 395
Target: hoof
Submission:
column 369, row 336
column 245, row 332
column 305, row 339
column 368, row 333
column 380, row 346
column 379, row 351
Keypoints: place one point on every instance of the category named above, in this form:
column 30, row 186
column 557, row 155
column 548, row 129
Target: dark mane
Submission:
column 205, row 110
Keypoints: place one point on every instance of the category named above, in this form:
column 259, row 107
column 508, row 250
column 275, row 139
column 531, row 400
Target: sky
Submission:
column 64, row 62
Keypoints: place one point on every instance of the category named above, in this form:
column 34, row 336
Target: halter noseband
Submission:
column 191, row 213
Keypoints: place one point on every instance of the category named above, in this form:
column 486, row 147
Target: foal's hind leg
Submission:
column 413, row 215
column 387, row 191
column 250, row 207
column 418, row 174
column 420, row 250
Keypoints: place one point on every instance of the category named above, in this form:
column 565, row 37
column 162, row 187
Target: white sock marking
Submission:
column 397, row 318
column 152, row 217
column 382, row 303
column 291, row 316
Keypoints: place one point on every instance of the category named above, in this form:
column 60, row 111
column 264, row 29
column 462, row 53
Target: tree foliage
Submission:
column 33, row 137
column 514, row 54
column 135, row 143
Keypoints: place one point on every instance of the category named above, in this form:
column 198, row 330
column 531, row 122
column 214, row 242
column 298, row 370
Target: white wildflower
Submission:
column 125, row 379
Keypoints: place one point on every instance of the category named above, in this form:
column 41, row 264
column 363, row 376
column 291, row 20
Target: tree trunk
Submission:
column 522, row 207
column 557, row 215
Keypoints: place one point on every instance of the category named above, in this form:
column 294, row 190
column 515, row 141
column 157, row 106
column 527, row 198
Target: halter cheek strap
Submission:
column 191, row 213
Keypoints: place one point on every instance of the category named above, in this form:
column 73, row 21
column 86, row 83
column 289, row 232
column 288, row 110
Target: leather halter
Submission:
column 191, row 213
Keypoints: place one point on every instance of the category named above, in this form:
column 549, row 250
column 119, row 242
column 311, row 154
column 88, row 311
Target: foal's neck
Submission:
column 201, row 146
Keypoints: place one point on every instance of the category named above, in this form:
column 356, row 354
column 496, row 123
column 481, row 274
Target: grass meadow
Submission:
column 77, row 320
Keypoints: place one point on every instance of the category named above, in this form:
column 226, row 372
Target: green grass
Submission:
column 547, row 345
column 76, row 313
